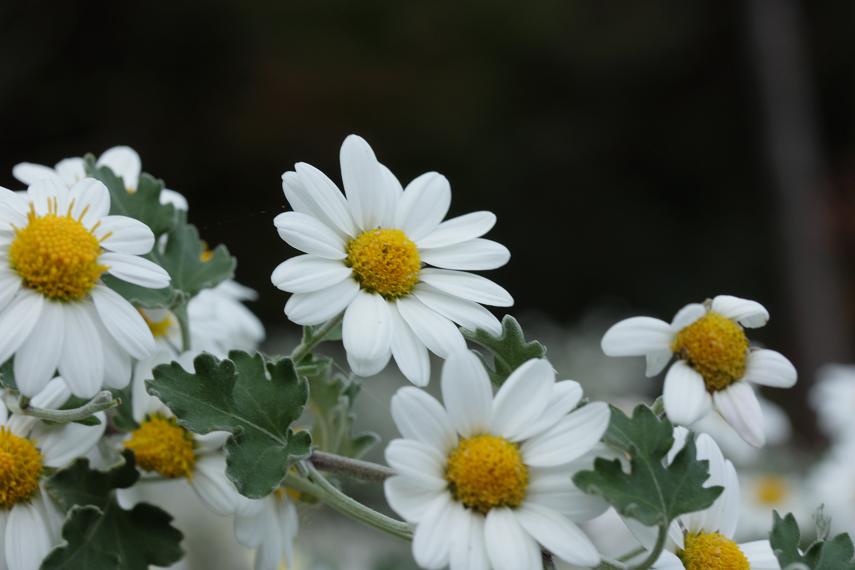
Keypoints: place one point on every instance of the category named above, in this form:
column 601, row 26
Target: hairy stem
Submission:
column 102, row 401
column 180, row 312
column 357, row 468
column 656, row 551
column 311, row 341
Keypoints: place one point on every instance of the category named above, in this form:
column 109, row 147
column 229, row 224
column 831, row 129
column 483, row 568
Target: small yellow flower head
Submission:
column 161, row 445
column 485, row 472
column 384, row 261
column 712, row 551
column 771, row 490
column 159, row 328
column 716, row 347
column 20, row 469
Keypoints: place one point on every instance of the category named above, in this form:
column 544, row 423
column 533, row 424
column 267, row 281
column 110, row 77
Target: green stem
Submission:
column 657, row 549
column 180, row 312
column 325, row 491
column 102, row 401
column 305, row 347
column 631, row 554
column 357, row 468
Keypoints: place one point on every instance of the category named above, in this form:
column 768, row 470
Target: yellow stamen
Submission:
column 712, row 551
column 384, row 261
column 485, row 472
column 771, row 490
column 207, row 253
column 716, row 347
column 20, row 469
column 56, row 255
column 161, row 445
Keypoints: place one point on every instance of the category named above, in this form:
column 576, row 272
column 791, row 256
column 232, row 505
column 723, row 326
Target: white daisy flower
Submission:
column 764, row 491
column 55, row 312
column 30, row 522
column 833, row 399
column 366, row 255
column 715, row 364
column 271, row 531
column 164, row 448
column 487, row 480
column 703, row 540
column 122, row 160
column 220, row 322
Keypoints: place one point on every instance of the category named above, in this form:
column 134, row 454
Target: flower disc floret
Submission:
column 384, row 261
column 161, row 445
column 56, row 255
column 712, row 551
column 771, row 490
column 716, row 347
column 20, row 469
column 485, row 472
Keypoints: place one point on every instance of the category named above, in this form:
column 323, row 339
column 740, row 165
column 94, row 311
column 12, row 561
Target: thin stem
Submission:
column 631, row 554
column 329, row 494
column 357, row 468
column 305, row 347
column 656, row 551
column 180, row 312
column 102, row 401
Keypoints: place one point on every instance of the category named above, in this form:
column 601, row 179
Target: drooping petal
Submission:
column 466, row 393
column 685, row 394
column 409, row 352
column 467, row 286
column 437, row 333
column 739, row 407
column 522, row 398
column 477, row 254
column 310, row 235
column 123, row 322
column 465, row 313
column 135, row 269
column 308, row 273
column 459, row 229
column 367, row 334
column 423, row 205
column 770, row 368
column 320, row 306
column 637, row 336
column 558, row 535
column 125, row 235
column 748, row 313
column 509, row 546
column 419, row 416
column 363, row 183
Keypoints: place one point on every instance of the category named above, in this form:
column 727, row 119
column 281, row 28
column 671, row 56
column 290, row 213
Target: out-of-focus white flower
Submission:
column 122, row 160
column 271, row 531
column 487, row 480
column 833, row 398
column 365, row 257
column 764, row 491
column 714, row 366
column 55, row 311
column 220, row 322
column 832, row 483
column 29, row 520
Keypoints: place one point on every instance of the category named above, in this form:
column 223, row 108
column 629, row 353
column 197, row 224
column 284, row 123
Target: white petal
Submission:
column 117, row 362
column 558, row 535
column 459, row 229
column 82, row 362
column 10, row 283
column 465, row 313
column 28, row 539
column 409, row 352
column 17, row 321
column 637, row 336
column 310, row 235
column 410, row 497
column 467, row 286
column 36, row 361
column 668, row 561
column 213, row 487
column 320, row 306
column 419, row 416
column 554, row 489
column 250, row 530
column 685, row 394
column 749, row 314
column 60, row 445
column 308, row 273
column 423, row 205
column 564, row 398
column 125, row 235
column 435, row 331
column 168, row 196
column 123, row 322
column 657, row 361
column 13, row 210
column 468, row 545
column 522, row 398
column 363, row 183
column 71, row 170
column 731, row 502
column 509, row 547
column 739, row 407
column 466, row 393
column 135, row 269
column 393, row 194
column 46, row 193
column 124, row 162
column 367, row 333
column 54, row 395
column 710, row 518
column 474, row 255
column 770, row 368
column 687, row 315
column 432, row 538
column 417, row 460
column 29, row 173
column 89, row 201
column 315, row 194
column 571, row 438
column 760, row 555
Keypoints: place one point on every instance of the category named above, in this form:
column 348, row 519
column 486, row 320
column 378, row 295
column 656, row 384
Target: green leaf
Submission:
column 510, row 349
column 143, row 203
column 652, row 492
column 182, row 258
column 257, row 401
column 834, row 554
column 7, row 375
column 98, row 533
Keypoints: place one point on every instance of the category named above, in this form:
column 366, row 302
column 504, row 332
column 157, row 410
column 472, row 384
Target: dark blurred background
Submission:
column 639, row 155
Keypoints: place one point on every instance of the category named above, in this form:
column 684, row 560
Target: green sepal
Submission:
column 510, row 349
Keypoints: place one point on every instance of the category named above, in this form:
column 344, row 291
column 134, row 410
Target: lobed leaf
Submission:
column 834, row 554
column 510, row 349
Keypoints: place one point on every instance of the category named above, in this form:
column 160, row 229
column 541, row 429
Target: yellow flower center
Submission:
column 56, row 255
column 158, row 328
column 207, row 253
column 771, row 490
column 161, row 445
column 712, row 551
column 20, row 469
column 384, row 261
column 485, row 472
column 716, row 347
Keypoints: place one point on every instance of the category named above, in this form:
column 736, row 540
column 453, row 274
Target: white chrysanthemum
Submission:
column 763, row 491
column 703, row 540
column 833, row 398
column 55, row 312
column 29, row 520
column 366, row 256
column 271, row 531
column 487, row 480
column 715, row 364
column 122, row 160
column 171, row 451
